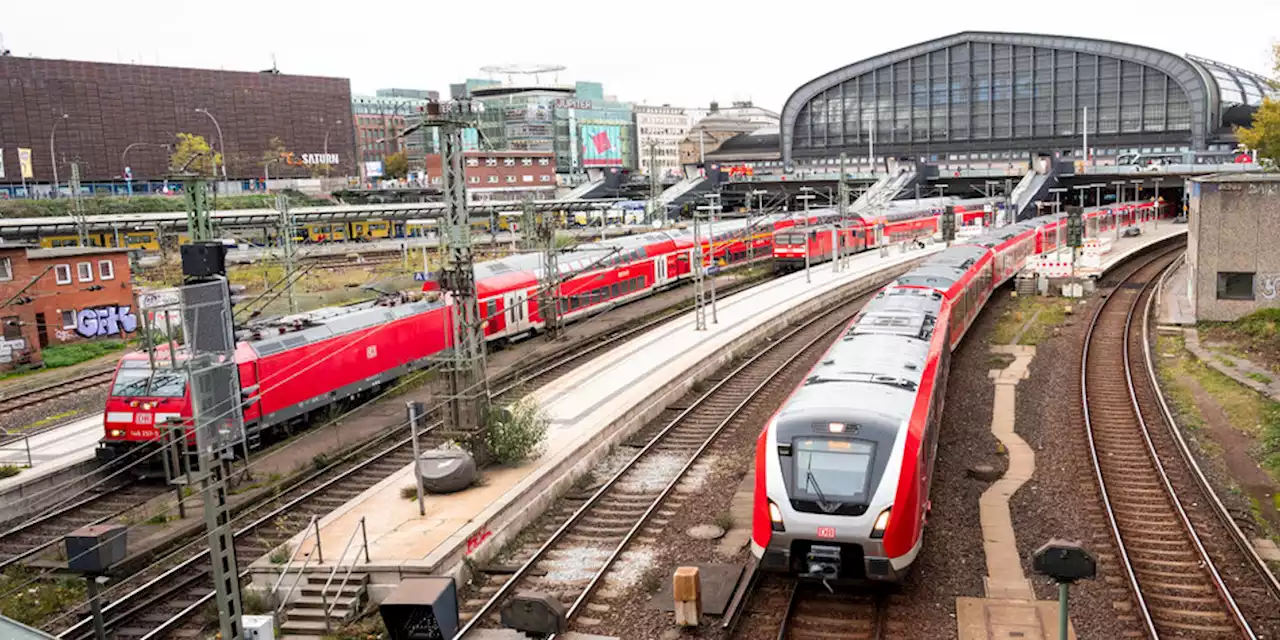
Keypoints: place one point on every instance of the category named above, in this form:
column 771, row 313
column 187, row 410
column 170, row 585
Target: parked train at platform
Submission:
column 843, row 469
column 820, row 242
column 296, row 366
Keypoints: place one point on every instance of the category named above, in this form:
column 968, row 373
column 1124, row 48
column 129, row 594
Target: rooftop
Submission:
column 70, row 252
column 1235, row 177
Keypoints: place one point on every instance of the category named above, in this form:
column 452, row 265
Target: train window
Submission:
column 491, row 308
column 613, row 291
column 169, row 383
column 834, row 469
column 62, row 274
column 106, row 270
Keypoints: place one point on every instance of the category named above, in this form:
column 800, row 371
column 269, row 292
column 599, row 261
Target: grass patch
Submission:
column 1038, row 314
column 1248, row 411
column 51, row 419
column 141, row 204
column 409, row 493
column 9, row 471
column 1258, row 377
column 367, row 628
column 65, row 355
column 40, row 601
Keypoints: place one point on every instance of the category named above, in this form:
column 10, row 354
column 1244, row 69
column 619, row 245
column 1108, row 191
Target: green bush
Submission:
column 65, row 355
column 105, row 205
column 39, row 601
column 514, row 438
column 9, row 471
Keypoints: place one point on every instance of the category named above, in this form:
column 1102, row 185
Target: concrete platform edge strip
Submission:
column 13, row 497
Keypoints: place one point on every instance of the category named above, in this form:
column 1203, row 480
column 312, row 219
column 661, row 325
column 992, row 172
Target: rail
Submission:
column 314, row 525
column 324, row 593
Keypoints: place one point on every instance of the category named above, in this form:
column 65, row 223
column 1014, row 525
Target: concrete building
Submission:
column 659, row 130
column 582, row 126
column 379, row 120
column 1232, row 245
column 737, row 110
column 503, row 176
column 992, row 96
column 108, row 116
column 707, row 134
column 56, row 296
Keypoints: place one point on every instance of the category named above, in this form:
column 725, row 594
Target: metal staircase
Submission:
column 884, row 191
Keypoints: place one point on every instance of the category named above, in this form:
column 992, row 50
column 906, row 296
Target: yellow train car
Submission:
column 140, row 240
column 325, row 231
column 370, row 230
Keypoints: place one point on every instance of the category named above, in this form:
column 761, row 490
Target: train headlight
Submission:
column 116, row 433
column 882, row 521
column 775, row 517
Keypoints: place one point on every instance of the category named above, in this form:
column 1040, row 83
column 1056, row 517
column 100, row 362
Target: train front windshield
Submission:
column 832, row 470
column 166, row 383
column 790, row 239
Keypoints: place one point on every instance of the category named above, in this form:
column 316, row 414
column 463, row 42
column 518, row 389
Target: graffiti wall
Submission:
column 106, row 321
column 9, row 347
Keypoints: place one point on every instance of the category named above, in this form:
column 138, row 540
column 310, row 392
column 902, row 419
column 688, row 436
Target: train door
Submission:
column 660, row 271
column 517, row 312
column 493, row 310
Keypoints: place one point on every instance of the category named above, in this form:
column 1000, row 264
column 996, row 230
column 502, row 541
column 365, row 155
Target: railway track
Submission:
column 36, row 395
column 592, row 544
column 1183, row 557
column 169, row 598
column 813, row 613
column 28, row 540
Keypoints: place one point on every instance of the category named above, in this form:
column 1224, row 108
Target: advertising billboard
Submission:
column 470, row 139
column 601, row 146
column 373, row 168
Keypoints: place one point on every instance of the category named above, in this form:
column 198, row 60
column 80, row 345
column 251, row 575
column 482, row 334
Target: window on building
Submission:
column 6, row 269
column 84, row 271
column 1234, row 285
column 511, row 178
column 528, row 162
column 62, row 274
column 544, row 161
column 493, row 180
column 106, row 270
column 545, row 178
column 526, row 178
column 472, row 162
column 473, row 179
column 68, row 318
column 490, row 162
column 436, row 180
column 508, row 162
column 12, row 328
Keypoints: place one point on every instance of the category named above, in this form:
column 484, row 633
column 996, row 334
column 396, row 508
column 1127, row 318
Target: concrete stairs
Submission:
column 304, row 619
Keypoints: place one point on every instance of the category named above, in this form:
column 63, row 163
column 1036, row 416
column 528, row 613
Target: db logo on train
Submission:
column 826, row 532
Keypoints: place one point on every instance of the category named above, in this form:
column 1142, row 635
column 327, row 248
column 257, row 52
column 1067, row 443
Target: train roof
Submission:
column 870, row 375
column 327, row 324
column 943, row 269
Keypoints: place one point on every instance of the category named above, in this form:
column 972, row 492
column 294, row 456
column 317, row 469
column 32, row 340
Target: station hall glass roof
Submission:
column 1000, row 91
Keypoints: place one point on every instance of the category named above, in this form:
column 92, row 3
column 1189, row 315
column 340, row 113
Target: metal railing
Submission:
column 7, row 439
column 314, row 528
column 324, row 593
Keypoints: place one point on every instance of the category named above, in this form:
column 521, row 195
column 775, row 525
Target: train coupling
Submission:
column 823, row 562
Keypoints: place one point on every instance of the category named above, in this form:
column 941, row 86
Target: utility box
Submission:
column 1065, row 561
column 93, row 549
column 421, row 609
column 258, row 627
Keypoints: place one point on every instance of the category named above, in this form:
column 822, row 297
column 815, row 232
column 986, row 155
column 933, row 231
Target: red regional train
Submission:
column 842, row 470
column 859, row 234
column 302, row 364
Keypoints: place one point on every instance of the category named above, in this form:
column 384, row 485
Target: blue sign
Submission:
column 420, row 276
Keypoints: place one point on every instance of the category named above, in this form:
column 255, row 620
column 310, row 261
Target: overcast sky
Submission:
column 652, row 51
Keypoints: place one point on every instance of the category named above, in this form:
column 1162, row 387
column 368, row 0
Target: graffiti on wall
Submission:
column 7, row 347
column 1269, row 286
column 106, row 321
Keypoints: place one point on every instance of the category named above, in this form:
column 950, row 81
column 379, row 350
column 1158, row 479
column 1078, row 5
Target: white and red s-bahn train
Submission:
column 842, row 470
column 299, row 365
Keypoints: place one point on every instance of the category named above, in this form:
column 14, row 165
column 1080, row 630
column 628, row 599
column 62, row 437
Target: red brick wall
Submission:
column 478, row 175
column 115, row 298
column 23, row 314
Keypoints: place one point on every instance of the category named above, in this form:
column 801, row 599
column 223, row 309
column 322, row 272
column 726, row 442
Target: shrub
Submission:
column 65, row 355
column 409, row 493
column 516, row 437
column 9, row 471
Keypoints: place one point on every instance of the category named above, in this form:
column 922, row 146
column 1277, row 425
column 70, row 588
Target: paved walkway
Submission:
column 1266, row 382
column 1173, row 301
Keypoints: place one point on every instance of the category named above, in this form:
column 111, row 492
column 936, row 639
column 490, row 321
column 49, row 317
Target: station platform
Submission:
column 1119, row 250
column 1173, row 301
column 591, row 408
column 55, row 455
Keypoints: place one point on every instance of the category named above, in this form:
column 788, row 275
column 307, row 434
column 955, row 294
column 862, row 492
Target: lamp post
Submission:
column 806, row 195
column 53, row 156
column 222, row 146
column 1115, row 211
column 266, row 174
column 759, row 194
column 124, row 160
column 1137, row 191
column 325, row 150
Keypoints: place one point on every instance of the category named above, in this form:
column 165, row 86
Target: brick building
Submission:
column 504, row 176
column 380, row 119
column 1231, row 245
column 56, row 296
column 113, row 108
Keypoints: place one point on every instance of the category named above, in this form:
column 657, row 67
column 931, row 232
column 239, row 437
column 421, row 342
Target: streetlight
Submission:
column 266, row 174
column 222, row 146
column 326, row 145
column 806, row 195
column 53, row 156
column 1137, row 191
column 1115, row 211
column 124, row 160
column 759, row 194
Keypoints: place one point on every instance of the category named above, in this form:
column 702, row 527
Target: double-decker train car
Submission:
column 859, row 233
column 842, row 470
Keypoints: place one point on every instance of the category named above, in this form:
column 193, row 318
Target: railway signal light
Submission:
column 1065, row 562
column 949, row 224
column 1075, row 227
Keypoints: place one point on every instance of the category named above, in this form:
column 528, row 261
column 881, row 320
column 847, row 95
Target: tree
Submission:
column 396, row 166
column 275, row 153
column 193, row 152
column 1264, row 135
